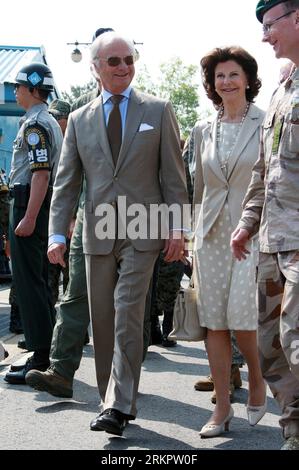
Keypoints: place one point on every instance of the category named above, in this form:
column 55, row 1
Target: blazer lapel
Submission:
column 98, row 128
column 249, row 127
column 210, row 135
column 134, row 118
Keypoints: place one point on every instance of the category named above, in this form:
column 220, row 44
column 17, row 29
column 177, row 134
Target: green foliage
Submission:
column 178, row 84
column 77, row 91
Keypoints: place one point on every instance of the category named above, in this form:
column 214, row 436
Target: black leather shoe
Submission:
column 94, row 423
column 18, row 377
column 111, row 421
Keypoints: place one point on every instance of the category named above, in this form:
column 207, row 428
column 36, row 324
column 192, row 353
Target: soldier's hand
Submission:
column 25, row 227
column 238, row 242
column 56, row 253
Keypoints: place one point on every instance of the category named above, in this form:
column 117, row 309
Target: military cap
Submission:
column 265, row 5
column 59, row 108
column 101, row 31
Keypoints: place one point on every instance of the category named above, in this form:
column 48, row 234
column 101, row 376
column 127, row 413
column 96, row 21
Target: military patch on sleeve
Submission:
column 37, row 140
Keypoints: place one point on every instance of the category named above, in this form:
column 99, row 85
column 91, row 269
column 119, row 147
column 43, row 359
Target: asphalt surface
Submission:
column 170, row 411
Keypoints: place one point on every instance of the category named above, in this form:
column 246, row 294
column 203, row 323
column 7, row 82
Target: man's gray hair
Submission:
column 103, row 40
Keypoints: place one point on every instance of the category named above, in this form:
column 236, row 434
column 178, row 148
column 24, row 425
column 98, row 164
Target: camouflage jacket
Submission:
column 271, row 205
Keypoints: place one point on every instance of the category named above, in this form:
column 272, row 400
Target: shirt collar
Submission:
column 106, row 95
column 36, row 108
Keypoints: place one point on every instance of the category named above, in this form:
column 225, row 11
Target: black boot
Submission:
column 167, row 328
column 15, row 325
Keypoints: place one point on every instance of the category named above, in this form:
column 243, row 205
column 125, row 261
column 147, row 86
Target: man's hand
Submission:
column 175, row 248
column 238, row 241
column 25, row 227
column 56, row 253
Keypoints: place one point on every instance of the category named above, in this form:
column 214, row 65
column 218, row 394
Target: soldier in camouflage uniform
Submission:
column 271, row 206
column 60, row 110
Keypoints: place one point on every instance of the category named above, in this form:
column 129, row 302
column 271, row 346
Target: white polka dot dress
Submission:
column 227, row 288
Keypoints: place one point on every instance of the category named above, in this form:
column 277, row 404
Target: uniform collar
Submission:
column 36, row 108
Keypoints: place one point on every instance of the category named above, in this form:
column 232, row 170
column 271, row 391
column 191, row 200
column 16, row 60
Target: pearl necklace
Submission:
column 224, row 164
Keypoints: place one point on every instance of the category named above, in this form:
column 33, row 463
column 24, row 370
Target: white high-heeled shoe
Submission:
column 213, row 430
column 255, row 413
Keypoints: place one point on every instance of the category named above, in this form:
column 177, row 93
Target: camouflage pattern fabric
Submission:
column 237, row 358
column 168, row 284
column 272, row 200
column 187, row 157
column 278, row 332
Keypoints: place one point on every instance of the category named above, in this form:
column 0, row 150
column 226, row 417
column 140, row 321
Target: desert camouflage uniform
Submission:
column 271, row 205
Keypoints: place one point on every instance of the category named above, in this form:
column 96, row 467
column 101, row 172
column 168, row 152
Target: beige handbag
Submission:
column 186, row 326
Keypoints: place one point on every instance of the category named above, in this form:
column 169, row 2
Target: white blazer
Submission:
column 211, row 188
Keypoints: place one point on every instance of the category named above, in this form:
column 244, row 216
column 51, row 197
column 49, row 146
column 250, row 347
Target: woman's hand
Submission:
column 238, row 242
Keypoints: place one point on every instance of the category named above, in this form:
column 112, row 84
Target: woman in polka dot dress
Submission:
column 224, row 159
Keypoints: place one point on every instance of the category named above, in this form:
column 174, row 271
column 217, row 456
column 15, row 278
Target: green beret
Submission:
column 265, row 5
column 59, row 108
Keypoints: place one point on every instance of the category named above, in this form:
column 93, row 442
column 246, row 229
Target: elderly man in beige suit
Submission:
column 127, row 144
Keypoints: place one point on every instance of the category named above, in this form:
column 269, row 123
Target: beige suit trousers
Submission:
column 117, row 286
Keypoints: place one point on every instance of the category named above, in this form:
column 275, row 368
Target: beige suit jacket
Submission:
column 149, row 169
column 211, row 187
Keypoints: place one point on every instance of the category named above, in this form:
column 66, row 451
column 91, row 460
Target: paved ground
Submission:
column 170, row 414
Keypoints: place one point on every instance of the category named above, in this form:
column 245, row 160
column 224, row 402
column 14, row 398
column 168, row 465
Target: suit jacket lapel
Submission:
column 134, row 118
column 210, row 134
column 98, row 128
column 249, row 127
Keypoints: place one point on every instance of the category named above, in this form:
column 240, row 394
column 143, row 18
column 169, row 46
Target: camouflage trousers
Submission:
column 278, row 332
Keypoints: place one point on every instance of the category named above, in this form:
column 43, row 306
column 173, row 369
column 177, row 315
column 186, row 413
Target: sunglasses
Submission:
column 115, row 61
